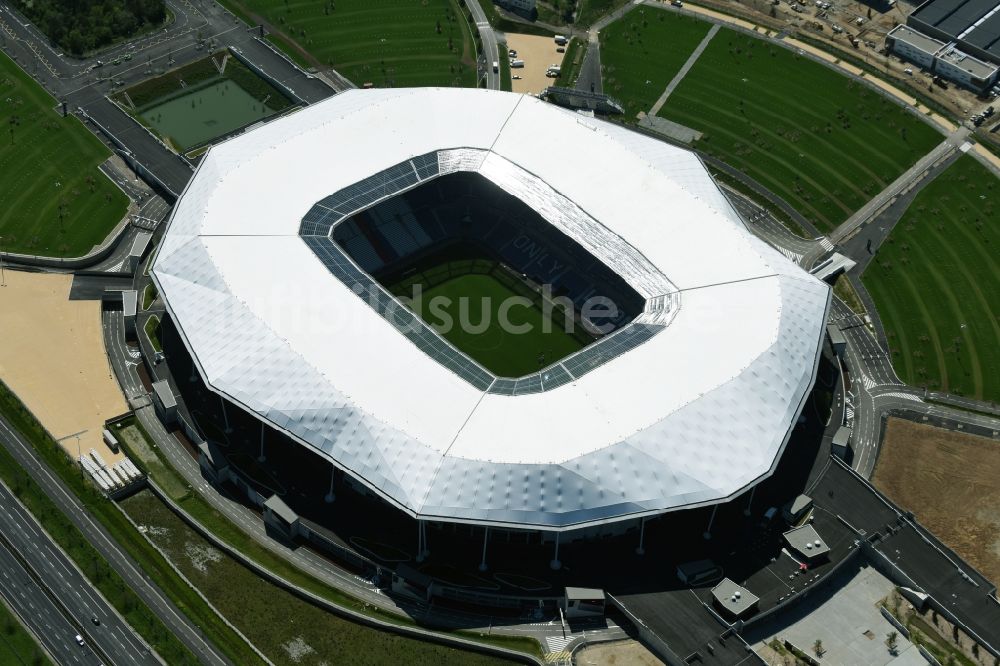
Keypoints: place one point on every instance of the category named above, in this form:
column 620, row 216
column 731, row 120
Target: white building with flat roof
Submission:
column 944, row 59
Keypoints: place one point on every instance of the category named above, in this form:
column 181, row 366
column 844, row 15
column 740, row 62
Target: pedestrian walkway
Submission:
column 692, row 59
column 900, row 185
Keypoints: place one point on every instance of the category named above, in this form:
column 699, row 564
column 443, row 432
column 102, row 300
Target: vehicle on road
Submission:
column 79, row 640
column 96, row 620
column 496, row 66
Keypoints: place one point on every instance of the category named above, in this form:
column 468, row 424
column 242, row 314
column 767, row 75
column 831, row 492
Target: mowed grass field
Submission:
column 822, row 141
column 56, row 202
column 477, row 299
column 936, row 284
column 643, row 51
column 389, row 43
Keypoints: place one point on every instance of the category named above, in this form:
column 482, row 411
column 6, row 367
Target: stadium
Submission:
column 662, row 354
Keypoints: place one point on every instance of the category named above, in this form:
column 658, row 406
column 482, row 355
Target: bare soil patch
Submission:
column 53, row 358
column 617, row 653
column 948, row 479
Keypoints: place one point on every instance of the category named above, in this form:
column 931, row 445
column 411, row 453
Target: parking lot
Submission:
column 538, row 53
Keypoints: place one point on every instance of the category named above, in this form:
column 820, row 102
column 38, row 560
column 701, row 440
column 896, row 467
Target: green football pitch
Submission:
column 470, row 312
column 388, row 43
column 934, row 282
column 56, row 202
column 194, row 104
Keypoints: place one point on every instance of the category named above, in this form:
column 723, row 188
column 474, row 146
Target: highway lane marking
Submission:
column 125, row 565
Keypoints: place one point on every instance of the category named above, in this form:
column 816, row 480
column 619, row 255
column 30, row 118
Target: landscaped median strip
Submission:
column 18, row 644
column 95, row 567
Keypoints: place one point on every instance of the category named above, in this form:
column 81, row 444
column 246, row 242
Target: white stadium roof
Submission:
column 694, row 414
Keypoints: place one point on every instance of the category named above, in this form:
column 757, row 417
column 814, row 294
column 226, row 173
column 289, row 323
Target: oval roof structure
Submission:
column 690, row 415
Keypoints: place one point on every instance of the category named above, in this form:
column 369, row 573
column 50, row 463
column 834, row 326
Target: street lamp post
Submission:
column 79, row 456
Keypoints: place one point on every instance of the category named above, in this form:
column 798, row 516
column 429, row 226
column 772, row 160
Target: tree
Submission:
column 891, row 641
column 13, row 122
column 818, row 647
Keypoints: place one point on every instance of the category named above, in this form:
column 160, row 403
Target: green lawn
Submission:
column 935, row 284
column 822, row 141
column 641, row 53
column 152, row 329
column 305, row 634
column 55, row 200
column 389, row 43
column 571, row 63
column 589, row 11
column 478, row 299
column 148, row 295
column 17, row 646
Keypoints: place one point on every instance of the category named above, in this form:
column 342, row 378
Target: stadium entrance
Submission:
column 488, row 273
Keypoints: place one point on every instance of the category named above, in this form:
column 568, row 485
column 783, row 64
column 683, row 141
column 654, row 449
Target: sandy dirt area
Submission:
column 949, row 481
column 537, row 53
column 53, row 358
column 616, row 653
column 726, row 18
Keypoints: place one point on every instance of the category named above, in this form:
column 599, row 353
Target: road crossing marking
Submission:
column 557, row 643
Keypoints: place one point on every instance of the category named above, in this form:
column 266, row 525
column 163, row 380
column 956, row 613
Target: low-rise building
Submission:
column 164, row 401
column 806, row 543
column 842, row 443
column 944, row 59
column 583, row 602
column 733, row 601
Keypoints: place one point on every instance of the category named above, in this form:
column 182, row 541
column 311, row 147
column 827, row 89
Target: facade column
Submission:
column 261, row 457
column 420, row 540
column 427, row 550
column 746, row 511
column 708, row 530
column 194, row 373
column 642, row 533
column 486, row 536
column 225, row 416
column 555, row 564
column 333, row 470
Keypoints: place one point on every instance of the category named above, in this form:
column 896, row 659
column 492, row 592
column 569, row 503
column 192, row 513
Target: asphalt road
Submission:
column 98, row 537
column 199, row 27
column 40, row 615
column 60, row 602
column 875, row 388
column 154, row 208
column 491, row 49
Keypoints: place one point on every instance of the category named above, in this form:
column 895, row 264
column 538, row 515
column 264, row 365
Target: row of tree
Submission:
column 83, row 26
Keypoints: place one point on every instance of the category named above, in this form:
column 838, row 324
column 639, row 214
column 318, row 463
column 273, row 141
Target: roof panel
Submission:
column 691, row 415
